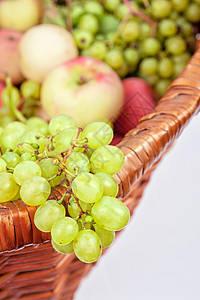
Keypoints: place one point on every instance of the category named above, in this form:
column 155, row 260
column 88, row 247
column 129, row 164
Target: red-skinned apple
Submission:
column 85, row 88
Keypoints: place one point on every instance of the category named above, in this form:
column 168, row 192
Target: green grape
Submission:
column 76, row 13
column 8, row 187
column 175, row 45
column 64, row 230
column 192, row 12
column 30, row 89
column 187, row 29
column 98, row 134
column 178, row 68
column 167, row 27
column 83, row 38
column 151, row 46
column 180, row 5
column 32, row 140
column 87, row 187
column 123, row 69
column 77, row 163
column 166, row 67
column 185, row 57
column 3, row 165
column 12, row 95
column 49, row 170
column 64, row 249
column 47, row 214
column 110, row 213
column 63, row 140
column 73, row 208
column 87, row 246
column 89, row 22
column 114, row 58
column 60, row 122
column 93, row 7
column 26, row 170
column 107, row 159
column 12, row 159
column 38, row 124
column 121, row 11
column 11, row 135
column 27, row 156
column 131, row 31
column 98, row 50
column 149, row 66
column 35, row 191
column 162, row 86
column 110, row 186
column 174, row 15
column 145, row 30
column 106, row 236
column 161, row 8
column 85, row 206
column 131, row 56
column 111, row 5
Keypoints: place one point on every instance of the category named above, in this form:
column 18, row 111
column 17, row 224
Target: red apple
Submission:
column 2, row 86
column 139, row 101
column 85, row 88
column 9, row 63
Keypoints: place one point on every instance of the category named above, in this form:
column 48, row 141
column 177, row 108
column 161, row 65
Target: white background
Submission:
column 157, row 256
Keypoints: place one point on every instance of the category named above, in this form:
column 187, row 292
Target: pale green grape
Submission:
column 162, row 86
column 83, row 38
column 63, row 140
column 151, row 46
column 175, row 45
column 64, row 230
column 89, row 22
column 98, row 50
column 192, row 12
column 149, row 66
column 77, row 163
column 32, row 140
column 106, row 236
column 131, row 31
column 93, row 7
column 12, row 159
column 98, row 134
column 110, row 213
column 30, row 88
column 47, row 214
column 180, row 5
column 60, row 122
column 11, row 135
column 131, row 56
column 108, row 23
column 87, row 246
column 85, row 206
column 26, row 170
column 161, row 8
column 35, row 191
column 3, row 165
column 166, row 67
column 64, row 249
column 167, row 27
column 50, row 170
column 121, row 11
column 114, row 58
column 27, row 156
column 107, row 159
column 38, row 124
column 111, row 5
column 76, row 13
column 13, row 95
column 73, row 208
column 8, row 187
column 110, row 186
column 87, row 187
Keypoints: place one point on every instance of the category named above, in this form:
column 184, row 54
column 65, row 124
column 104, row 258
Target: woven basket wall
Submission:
column 29, row 267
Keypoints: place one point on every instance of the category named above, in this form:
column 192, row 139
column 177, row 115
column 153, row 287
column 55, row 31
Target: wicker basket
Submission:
column 29, row 267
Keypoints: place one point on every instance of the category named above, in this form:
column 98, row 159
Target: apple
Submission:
column 20, row 14
column 139, row 101
column 44, row 47
column 9, row 60
column 85, row 88
column 2, row 87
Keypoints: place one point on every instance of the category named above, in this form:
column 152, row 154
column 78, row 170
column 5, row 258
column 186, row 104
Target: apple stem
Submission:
column 69, row 16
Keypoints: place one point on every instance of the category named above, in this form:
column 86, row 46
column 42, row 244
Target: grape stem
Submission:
column 142, row 16
column 76, row 199
column 63, row 197
column 73, row 146
column 69, row 17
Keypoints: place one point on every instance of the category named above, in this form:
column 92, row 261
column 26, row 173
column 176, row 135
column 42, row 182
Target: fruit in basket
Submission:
column 139, row 101
column 9, row 60
column 20, row 14
column 85, row 88
column 44, row 47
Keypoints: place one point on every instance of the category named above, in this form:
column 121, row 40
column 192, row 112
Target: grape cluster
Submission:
column 152, row 39
column 36, row 156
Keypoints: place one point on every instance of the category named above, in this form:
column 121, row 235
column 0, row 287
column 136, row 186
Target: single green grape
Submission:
column 110, row 186
column 30, row 89
column 64, row 249
column 87, row 246
column 110, row 213
column 178, row 68
column 167, row 27
column 12, row 159
column 161, row 8
column 111, row 5
column 186, row 29
column 26, row 170
column 106, row 236
column 107, row 159
column 32, row 140
column 35, row 191
column 131, row 56
column 162, row 86
column 145, row 29
column 60, row 122
column 180, row 5
column 38, row 124
column 98, row 50
column 63, row 140
column 89, row 22
column 73, row 208
column 166, row 67
column 78, row 163
column 85, row 206
column 50, row 170
column 114, row 58
column 76, row 12
column 47, row 214
column 123, row 69
column 27, row 156
column 12, row 133
column 192, row 12
column 131, row 31
column 175, row 45
column 121, row 11
column 87, row 187
column 12, row 95
column 83, row 38
column 185, row 57
column 64, row 230
column 8, row 187
column 151, row 46
column 94, row 8
column 3, row 165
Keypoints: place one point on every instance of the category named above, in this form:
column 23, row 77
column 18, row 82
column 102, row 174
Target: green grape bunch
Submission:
column 151, row 39
column 36, row 156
